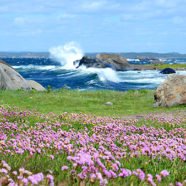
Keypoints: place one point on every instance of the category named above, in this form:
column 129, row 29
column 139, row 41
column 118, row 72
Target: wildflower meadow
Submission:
column 81, row 149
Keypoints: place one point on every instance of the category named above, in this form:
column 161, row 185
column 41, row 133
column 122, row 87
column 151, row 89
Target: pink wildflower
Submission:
column 164, row 173
column 64, row 168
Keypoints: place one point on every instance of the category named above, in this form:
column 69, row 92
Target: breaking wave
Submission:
column 70, row 52
column 59, row 70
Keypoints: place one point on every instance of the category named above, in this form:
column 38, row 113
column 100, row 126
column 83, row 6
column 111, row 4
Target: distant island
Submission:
column 124, row 54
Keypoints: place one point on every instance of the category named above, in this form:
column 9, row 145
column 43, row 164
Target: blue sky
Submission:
column 96, row 25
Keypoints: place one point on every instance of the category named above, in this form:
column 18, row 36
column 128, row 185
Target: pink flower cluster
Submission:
column 165, row 118
column 94, row 154
column 22, row 177
column 25, row 177
column 89, row 119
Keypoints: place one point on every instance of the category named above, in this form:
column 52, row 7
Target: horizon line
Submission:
column 95, row 52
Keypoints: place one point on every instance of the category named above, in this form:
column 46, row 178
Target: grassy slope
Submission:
column 124, row 103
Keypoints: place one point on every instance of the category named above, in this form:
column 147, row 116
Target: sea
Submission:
column 57, row 71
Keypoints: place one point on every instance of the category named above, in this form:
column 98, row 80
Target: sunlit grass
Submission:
column 90, row 102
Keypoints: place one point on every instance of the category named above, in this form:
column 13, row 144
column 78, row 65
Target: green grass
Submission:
column 89, row 102
column 174, row 66
column 42, row 163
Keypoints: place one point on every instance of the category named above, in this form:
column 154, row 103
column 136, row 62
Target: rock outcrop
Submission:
column 12, row 80
column 91, row 62
column 171, row 92
column 116, row 62
column 113, row 61
column 150, row 60
column 167, row 71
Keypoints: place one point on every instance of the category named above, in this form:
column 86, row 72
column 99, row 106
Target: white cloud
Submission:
column 94, row 5
column 155, row 9
column 142, row 16
column 168, row 3
column 20, row 21
column 31, row 6
column 34, row 20
column 67, row 16
column 97, row 5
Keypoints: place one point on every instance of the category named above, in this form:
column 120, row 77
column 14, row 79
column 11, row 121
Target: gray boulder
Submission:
column 12, row 80
column 113, row 61
column 171, row 92
column 117, row 62
column 91, row 62
column 35, row 85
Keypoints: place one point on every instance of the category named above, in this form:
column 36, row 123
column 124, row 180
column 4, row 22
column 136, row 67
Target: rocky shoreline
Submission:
column 116, row 62
column 119, row 63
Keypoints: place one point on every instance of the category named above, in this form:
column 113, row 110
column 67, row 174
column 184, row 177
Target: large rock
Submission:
column 12, row 80
column 167, row 71
column 91, row 62
column 35, row 85
column 116, row 61
column 171, row 92
column 113, row 61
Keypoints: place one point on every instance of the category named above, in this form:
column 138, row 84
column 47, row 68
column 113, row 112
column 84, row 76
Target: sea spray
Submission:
column 107, row 74
column 49, row 72
column 66, row 54
column 104, row 74
column 70, row 52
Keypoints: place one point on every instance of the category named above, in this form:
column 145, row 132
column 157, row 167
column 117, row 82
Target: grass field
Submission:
column 92, row 102
column 69, row 137
column 174, row 66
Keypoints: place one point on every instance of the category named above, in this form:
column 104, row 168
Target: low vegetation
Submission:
column 174, row 66
column 89, row 102
column 56, row 141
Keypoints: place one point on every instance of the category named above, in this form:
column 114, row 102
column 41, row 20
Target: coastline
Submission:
column 181, row 67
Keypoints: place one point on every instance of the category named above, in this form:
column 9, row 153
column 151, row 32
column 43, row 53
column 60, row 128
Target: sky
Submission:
column 96, row 25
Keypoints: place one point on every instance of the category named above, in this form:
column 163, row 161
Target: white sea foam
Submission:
column 104, row 74
column 35, row 67
column 130, row 59
column 181, row 72
column 107, row 74
column 146, row 76
column 66, row 54
column 70, row 52
column 145, row 80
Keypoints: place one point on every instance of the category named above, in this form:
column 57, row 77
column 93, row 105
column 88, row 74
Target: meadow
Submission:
column 70, row 137
column 89, row 102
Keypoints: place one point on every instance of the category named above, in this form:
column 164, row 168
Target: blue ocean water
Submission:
column 50, row 72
